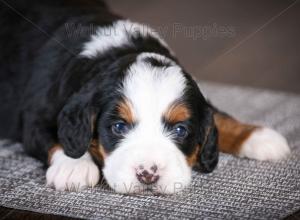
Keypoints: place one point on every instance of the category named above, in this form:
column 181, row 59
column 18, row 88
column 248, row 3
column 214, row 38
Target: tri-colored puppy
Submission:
column 114, row 101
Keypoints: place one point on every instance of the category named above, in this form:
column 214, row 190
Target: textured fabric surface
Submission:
column 238, row 188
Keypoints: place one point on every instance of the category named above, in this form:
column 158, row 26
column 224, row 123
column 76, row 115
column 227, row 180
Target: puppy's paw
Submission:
column 66, row 173
column 265, row 144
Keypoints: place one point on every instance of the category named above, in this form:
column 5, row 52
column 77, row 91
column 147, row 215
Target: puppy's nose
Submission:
column 146, row 176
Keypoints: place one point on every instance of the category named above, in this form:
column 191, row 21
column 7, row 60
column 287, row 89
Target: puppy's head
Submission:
column 153, row 127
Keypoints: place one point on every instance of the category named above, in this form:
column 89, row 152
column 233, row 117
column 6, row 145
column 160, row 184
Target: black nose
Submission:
column 147, row 176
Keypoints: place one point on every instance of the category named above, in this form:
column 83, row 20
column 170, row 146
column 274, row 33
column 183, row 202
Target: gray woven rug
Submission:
column 237, row 189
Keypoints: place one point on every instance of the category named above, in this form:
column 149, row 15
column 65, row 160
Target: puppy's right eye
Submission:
column 120, row 128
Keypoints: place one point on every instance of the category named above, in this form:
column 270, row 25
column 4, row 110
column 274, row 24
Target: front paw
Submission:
column 265, row 144
column 66, row 173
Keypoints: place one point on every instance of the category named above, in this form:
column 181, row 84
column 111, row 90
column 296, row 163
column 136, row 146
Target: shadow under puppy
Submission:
column 114, row 101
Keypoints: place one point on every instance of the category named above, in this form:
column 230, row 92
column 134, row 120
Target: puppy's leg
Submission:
column 250, row 141
column 38, row 135
column 66, row 173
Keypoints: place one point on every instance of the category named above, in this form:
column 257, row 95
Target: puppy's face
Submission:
column 155, row 129
column 152, row 124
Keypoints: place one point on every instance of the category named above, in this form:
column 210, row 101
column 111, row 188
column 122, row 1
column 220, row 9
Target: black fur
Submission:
column 51, row 95
column 206, row 134
column 208, row 155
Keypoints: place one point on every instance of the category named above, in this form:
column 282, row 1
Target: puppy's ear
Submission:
column 208, row 155
column 75, row 126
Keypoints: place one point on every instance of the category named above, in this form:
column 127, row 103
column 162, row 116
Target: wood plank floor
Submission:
column 15, row 214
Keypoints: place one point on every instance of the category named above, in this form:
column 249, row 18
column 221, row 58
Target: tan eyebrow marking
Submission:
column 177, row 112
column 125, row 111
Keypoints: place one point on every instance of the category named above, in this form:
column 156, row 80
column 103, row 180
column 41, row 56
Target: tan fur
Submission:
column 97, row 152
column 232, row 133
column 125, row 111
column 177, row 112
column 52, row 150
column 93, row 119
column 192, row 159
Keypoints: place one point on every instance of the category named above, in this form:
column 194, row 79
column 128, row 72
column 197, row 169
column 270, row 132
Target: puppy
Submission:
column 113, row 102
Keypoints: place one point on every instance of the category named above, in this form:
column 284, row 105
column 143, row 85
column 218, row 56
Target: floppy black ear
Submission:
column 208, row 154
column 75, row 126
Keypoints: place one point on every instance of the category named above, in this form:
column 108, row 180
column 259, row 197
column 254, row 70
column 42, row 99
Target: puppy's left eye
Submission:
column 180, row 131
column 120, row 128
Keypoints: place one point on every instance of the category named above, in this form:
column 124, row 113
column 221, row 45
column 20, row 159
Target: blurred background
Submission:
column 250, row 43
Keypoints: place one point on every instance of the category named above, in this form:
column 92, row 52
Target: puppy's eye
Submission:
column 180, row 131
column 120, row 128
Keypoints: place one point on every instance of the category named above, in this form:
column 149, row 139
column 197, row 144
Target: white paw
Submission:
column 66, row 173
column 265, row 144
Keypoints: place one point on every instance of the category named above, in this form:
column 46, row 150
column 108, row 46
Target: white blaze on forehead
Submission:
column 152, row 89
column 119, row 34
